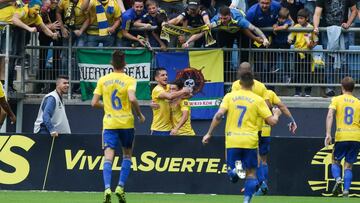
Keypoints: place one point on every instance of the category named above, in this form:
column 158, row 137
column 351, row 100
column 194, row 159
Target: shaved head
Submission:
column 244, row 67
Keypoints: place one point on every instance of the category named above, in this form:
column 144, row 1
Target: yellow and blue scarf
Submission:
column 103, row 24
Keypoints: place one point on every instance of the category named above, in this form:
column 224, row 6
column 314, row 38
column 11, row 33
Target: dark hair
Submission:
column 133, row 1
column 118, row 59
column 179, row 83
column 246, row 79
column 224, row 11
column 151, row 2
column 66, row 77
column 348, row 84
column 303, row 13
column 158, row 70
column 284, row 13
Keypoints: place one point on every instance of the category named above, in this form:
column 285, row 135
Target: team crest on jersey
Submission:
column 324, row 184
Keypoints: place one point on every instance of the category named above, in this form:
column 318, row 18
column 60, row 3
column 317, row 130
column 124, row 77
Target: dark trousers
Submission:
column 303, row 72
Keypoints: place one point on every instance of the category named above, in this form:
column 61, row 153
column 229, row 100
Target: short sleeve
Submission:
column 117, row 12
column 263, row 109
column 38, row 20
column 243, row 23
column 132, row 85
column 250, row 15
column 126, row 21
column 276, row 100
column 214, row 19
column 333, row 103
column 99, row 87
column 184, row 105
column 156, row 92
column 225, row 102
column 20, row 12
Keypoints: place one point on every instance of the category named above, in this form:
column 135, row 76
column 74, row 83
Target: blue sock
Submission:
column 266, row 172
column 260, row 173
column 125, row 171
column 347, row 179
column 233, row 176
column 335, row 170
column 107, row 173
column 250, row 187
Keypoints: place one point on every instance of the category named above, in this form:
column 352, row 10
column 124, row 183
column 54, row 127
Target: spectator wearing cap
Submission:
column 193, row 16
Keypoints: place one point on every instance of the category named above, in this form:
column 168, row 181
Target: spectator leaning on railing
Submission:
column 132, row 38
column 26, row 18
column 153, row 17
column 193, row 16
column 104, row 20
column 333, row 12
column 48, row 15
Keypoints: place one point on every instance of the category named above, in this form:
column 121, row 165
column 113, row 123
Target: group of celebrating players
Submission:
column 247, row 132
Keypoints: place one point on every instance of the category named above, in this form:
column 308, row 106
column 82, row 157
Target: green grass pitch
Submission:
column 79, row 197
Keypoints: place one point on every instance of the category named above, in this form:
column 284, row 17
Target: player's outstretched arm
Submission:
column 292, row 124
column 172, row 95
column 95, row 102
column 329, row 121
column 214, row 123
column 135, row 105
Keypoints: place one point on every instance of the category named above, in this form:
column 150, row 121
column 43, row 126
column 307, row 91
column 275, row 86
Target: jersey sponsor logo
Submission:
column 324, row 185
column 20, row 166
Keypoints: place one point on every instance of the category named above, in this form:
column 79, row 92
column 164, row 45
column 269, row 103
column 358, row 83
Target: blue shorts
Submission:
column 347, row 149
column 264, row 145
column 248, row 157
column 112, row 137
column 160, row 133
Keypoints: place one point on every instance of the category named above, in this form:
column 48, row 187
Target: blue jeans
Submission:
column 96, row 40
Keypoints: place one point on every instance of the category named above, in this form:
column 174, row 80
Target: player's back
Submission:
column 244, row 108
column 347, row 117
column 258, row 88
column 117, row 106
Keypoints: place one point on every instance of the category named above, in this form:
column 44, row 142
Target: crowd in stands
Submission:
column 111, row 23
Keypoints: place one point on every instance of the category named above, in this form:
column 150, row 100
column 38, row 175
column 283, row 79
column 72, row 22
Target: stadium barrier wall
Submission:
column 298, row 166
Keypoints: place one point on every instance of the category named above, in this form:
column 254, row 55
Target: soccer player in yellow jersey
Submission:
column 161, row 124
column 118, row 95
column 180, row 113
column 242, row 107
column 258, row 87
column 346, row 108
column 264, row 141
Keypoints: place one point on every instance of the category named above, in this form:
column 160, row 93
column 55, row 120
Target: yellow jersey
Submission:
column 80, row 16
column 302, row 38
column 111, row 17
column 161, row 116
column 347, row 109
column 243, row 110
column 25, row 18
column 113, row 88
column 274, row 100
column 7, row 13
column 2, row 93
column 258, row 88
column 177, row 109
